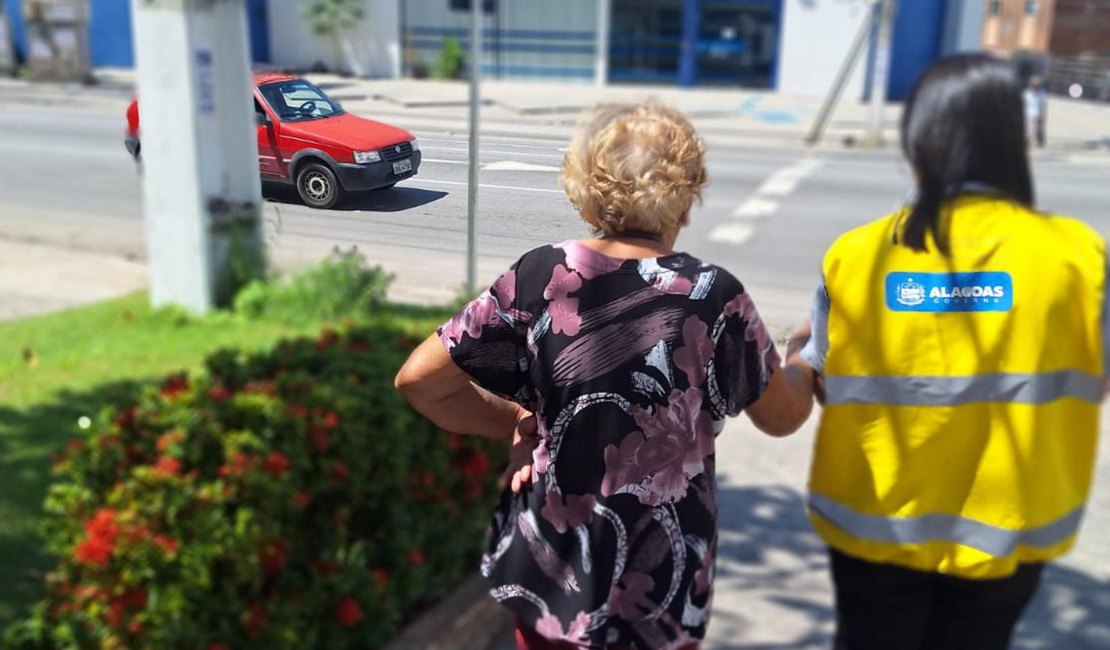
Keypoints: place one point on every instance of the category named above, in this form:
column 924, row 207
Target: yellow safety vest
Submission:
column 962, row 391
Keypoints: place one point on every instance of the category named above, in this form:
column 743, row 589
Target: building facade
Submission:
column 1064, row 28
column 793, row 46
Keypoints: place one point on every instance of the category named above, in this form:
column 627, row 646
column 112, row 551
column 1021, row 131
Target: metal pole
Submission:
column 472, row 181
column 880, row 70
column 833, row 98
column 601, row 59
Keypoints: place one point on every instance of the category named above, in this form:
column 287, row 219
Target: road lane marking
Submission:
column 493, row 187
column 444, row 161
column 732, row 233
column 780, row 183
column 755, row 208
column 517, row 166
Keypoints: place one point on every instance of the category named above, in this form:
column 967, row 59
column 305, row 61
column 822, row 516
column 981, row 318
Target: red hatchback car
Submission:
column 306, row 139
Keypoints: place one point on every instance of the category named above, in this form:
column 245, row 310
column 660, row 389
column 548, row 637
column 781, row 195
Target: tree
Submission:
column 331, row 19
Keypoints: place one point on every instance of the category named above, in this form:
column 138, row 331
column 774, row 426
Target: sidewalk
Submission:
column 38, row 278
column 549, row 111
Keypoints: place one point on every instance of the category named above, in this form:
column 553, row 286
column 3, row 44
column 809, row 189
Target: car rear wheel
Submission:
column 318, row 186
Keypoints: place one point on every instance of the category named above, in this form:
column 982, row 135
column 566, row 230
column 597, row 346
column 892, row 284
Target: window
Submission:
column 995, row 7
column 1030, row 7
column 298, row 100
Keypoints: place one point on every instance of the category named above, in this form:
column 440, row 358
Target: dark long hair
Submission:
column 964, row 123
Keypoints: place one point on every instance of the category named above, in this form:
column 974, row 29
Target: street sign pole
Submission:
column 201, row 190
column 880, row 70
column 601, row 57
column 472, row 181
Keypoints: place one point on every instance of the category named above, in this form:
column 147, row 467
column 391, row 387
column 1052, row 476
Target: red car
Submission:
column 306, row 139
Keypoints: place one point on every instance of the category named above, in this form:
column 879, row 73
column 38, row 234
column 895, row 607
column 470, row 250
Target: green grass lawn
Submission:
column 59, row 367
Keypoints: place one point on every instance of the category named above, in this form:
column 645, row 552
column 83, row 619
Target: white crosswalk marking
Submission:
column 781, row 183
column 755, row 208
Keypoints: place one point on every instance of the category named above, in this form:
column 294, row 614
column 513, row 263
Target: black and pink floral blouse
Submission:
column 630, row 367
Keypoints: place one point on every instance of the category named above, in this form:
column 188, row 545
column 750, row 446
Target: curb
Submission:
column 468, row 619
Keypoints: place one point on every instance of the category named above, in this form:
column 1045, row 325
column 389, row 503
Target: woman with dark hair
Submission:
column 960, row 342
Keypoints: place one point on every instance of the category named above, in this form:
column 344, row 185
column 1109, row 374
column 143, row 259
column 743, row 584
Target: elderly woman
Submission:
column 630, row 355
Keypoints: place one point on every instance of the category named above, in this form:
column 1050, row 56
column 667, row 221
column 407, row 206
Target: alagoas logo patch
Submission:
column 940, row 292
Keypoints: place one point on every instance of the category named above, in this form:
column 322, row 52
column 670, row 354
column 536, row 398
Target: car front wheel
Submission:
column 318, row 187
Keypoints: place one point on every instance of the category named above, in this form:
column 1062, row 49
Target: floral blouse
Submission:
column 630, row 367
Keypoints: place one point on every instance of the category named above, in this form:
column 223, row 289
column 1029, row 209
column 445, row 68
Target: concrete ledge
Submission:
column 468, row 619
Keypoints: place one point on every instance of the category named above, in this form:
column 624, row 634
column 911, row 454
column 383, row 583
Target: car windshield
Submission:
column 298, row 100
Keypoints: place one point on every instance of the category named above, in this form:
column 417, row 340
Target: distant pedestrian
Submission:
column 962, row 347
column 631, row 355
column 1036, row 110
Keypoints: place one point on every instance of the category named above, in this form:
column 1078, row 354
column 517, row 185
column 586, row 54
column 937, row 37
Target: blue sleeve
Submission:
column 1106, row 322
column 818, row 346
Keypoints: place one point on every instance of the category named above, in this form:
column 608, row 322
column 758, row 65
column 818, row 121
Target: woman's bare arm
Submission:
column 444, row 394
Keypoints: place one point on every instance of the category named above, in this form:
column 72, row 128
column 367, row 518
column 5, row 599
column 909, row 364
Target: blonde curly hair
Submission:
column 634, row 167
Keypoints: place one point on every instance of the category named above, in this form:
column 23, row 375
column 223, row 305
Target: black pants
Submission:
column 885, row 607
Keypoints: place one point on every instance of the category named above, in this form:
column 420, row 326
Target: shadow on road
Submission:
column 772, row 574
column 396, row 199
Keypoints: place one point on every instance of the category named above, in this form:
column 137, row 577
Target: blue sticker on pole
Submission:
column 950, row 292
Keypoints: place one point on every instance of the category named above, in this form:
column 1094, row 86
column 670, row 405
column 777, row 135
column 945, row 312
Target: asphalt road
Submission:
column 768, row 215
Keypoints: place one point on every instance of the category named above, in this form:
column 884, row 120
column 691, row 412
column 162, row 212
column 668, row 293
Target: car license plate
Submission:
column 402, row 166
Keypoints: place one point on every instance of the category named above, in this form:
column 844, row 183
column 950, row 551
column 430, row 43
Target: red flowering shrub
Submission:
column 288, row 500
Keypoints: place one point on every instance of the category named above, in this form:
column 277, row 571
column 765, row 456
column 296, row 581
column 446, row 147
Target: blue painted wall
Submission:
column 15, row 24
column 110, row 33
column 917, row 37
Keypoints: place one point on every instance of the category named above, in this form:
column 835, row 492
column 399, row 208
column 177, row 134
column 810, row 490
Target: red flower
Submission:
column 167, row 466
column 272, row 557
column 175, row 385
column 339, row 471
column 255, row 622
column 358, row 346
column 296, row 411
column 167, row 544
column 102, row 524
column 348, row 612
column 75, row 445
column 170, row 439
column 218, row 646
column 340, row 520
column 325, row 568
column 381, row 578
column 319, row 438
column 219, row 394
column 126, row 418
column 301, row 498
column 93, row 552
column 276, row 463
column 476, row 465
column 416, row 557
column 331, row 420
column 132, row 600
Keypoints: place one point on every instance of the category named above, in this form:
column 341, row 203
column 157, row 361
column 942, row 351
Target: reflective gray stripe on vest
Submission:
column 992, row 540
column 1014, row 388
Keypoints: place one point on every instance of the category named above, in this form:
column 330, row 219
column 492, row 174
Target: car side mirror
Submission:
column 261, row 119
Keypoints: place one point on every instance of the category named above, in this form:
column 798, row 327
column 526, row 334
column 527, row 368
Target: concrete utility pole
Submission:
column 601, row 59
column 202, row 195
column 472, row 180
column 880, row 70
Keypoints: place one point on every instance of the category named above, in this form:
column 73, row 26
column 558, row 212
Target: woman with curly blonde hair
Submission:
column 630, row 356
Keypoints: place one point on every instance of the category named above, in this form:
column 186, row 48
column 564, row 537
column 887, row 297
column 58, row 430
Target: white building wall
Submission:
column 815, row 38
column 374, row 44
